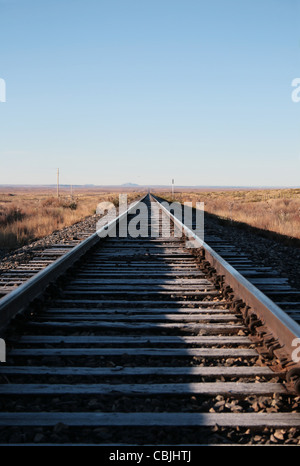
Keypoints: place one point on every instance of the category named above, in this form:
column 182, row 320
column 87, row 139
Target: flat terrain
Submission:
column 274, row 210
column 30, row 213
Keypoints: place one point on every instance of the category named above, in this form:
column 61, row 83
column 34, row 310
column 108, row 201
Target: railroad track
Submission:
column 41, row 258
column 142, row 340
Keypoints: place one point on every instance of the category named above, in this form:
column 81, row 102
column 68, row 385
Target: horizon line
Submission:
column 133, row 185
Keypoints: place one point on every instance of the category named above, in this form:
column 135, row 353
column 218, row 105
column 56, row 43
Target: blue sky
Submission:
column 115, row 91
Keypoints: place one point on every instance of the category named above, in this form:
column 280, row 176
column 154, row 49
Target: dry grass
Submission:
column 275, row 210
column 27, row 214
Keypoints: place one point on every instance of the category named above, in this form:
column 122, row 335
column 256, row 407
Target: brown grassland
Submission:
column 27, row 214
column 275, row 210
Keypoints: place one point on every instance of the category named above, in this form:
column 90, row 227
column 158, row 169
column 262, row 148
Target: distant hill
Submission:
column 139, row 186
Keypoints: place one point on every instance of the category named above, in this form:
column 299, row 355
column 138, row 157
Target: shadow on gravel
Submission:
column 286, row 240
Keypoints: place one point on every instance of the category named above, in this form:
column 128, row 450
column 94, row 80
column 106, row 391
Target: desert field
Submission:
column 275, row 210
column 30, row 213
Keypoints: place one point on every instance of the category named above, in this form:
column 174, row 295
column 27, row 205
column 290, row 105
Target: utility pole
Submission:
column 58, row 182
column 173, row 188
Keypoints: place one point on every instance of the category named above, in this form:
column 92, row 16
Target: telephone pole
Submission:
column 58, row 182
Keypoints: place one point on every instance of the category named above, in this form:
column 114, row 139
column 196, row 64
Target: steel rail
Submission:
column 16, row 301
column 281, row 325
